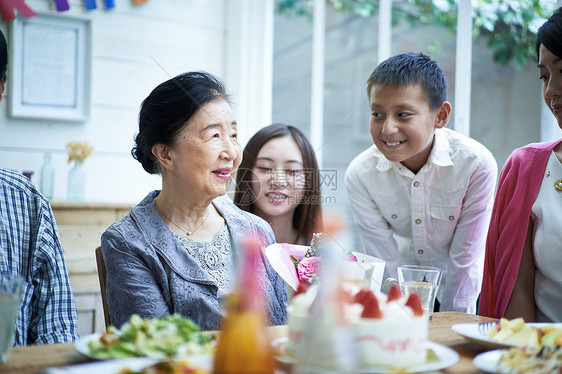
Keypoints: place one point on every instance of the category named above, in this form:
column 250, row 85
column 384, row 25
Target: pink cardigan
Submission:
column 518, row 186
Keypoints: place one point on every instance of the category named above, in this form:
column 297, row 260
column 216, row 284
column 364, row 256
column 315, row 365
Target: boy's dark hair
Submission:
column 3, row 57
column 550, row 34
column 408, row 69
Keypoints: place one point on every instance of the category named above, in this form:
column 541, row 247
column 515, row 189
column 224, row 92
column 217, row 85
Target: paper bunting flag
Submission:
column 61, row 5
column 139, row 2
column 90, row 4
column 7, row 9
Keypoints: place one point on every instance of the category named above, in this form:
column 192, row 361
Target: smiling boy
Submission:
column 422, row 194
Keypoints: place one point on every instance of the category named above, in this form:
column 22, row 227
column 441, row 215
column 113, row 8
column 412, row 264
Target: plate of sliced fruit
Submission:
column 536, row 359
column 510, row 333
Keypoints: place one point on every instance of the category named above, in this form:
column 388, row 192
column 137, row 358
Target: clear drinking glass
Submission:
column 423, row 280
column 10, row 296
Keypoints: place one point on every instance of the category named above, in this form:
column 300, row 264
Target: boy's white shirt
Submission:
column 451, row 196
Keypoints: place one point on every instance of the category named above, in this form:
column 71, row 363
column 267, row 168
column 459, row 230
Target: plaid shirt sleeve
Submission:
column 31, row 248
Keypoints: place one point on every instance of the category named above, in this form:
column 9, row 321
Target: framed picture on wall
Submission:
column 50, row 68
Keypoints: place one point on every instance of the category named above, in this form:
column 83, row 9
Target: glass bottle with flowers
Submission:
column 77, row 152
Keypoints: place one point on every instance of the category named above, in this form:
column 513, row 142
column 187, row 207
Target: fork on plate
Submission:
column 485, row 327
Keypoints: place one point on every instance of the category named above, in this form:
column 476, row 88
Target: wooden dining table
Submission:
column 35, row 359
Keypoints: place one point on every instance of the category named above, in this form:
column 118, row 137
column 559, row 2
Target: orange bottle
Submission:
column 244, row 345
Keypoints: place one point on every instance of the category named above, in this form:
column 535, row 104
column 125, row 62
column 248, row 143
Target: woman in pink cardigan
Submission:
column 523, row 267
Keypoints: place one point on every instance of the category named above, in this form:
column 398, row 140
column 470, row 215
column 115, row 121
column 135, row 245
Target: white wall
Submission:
column 180, row 35
column 249, row 65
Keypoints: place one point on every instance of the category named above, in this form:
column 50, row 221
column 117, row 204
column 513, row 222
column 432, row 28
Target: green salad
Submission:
column 169, row 337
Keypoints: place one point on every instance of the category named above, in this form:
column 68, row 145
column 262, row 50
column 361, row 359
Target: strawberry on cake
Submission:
column 389, row 330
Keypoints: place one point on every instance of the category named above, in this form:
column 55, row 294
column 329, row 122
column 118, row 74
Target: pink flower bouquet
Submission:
column 298, row 263
column 281, row 256
column 308, row 268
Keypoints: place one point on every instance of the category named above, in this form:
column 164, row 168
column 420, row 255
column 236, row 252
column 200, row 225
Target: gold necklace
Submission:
column 187, row 232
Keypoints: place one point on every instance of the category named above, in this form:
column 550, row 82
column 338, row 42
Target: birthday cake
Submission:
column 388, row 330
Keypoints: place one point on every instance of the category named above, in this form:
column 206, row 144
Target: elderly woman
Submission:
column 174, row 252
column 522, row 276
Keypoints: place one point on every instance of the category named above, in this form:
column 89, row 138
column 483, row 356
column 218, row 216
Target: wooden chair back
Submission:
column 102, row 277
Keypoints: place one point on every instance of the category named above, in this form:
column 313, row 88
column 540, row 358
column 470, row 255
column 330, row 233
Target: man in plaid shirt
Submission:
column 30, row 248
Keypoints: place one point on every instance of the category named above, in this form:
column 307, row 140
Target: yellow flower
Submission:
column 79, row 151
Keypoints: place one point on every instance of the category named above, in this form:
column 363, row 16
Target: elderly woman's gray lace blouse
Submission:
column 150, row 273
column 215, row 257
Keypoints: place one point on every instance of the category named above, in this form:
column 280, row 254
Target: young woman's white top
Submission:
column 547, row 244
